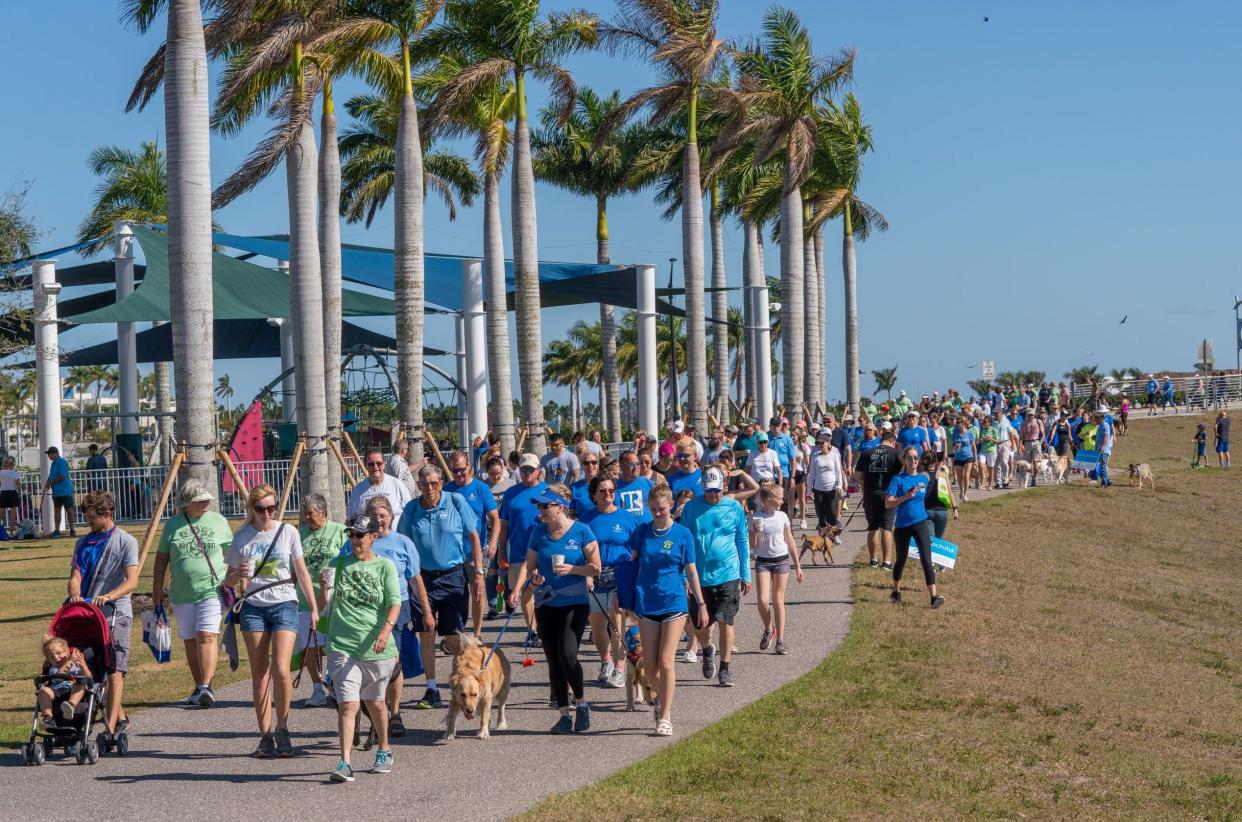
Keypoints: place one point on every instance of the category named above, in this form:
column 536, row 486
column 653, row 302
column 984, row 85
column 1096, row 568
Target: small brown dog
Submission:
column 637, row 686
column 1141, row 471
column 474, row 688
column 821, row 541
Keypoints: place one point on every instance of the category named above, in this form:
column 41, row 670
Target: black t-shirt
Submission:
column 878, row 466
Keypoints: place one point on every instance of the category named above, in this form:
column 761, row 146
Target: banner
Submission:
column 944, row 553
column 1085, row 460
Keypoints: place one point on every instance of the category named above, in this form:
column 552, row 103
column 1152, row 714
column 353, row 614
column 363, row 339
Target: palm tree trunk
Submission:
column 330, row 270
column 306, row 304
column 610, row 407
column 163, row 404
column 187, row 98
column 792, row 308
column 408, row 268
column 720, row 313
column 821, row 317
column 692, row 268
column 849, row 266
column 750, row 280
column 498, row 363
column 526, row 275
column 814, row 344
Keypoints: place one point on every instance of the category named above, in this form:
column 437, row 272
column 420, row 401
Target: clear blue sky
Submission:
column 1045, row 173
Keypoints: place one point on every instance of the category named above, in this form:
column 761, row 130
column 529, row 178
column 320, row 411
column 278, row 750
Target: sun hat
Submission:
column 713, row 480
column 193, row 491
column 528, row 461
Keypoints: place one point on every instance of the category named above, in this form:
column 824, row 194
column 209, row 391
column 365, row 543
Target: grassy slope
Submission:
column 1086, row 664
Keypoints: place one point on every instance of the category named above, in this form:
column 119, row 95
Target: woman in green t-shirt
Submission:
column 322, row 541
column 192, row 551
column 365, row 603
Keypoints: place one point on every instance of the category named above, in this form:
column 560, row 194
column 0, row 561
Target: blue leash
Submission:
column 504, row 628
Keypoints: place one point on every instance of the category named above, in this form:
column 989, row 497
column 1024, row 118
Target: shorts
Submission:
column 601, row 602
column 121, row 628
column 449, row 597
column 355, row 681
column 960, row 462
column 879, row 516
column 196, row 618
column 268, row 619
column 1222, row 446
column 722, row 601
column 304, row 626
column 776, row 565
column 988, row 459
column 667, row 617
column 798, row 477
column 10, row 499
column 66, row 500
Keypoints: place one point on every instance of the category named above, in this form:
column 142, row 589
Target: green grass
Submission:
column 1086, row 664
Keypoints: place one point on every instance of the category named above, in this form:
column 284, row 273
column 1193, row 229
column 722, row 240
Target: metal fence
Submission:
column 1215, row 391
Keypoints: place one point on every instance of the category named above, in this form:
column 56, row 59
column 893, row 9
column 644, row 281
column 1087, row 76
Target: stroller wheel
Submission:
column 78, row 750
column 103, row 742
column 49, row 748
column 122, row 743
column 28, row 753
column 92, row 753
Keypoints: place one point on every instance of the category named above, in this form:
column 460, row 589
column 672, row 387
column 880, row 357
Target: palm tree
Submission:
column 485, row 117
column 679, row 38
column 885, row 380
column 580, row 156
column 781, row 86
column 498, row 39
column 224, row 391
column 368, row 150
column 181, row 65
column 573, row 361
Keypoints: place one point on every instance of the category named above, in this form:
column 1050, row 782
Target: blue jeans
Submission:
column 1102, row 469
column 266, row 619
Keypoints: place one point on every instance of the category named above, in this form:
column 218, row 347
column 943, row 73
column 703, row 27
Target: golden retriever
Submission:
column 474, row 688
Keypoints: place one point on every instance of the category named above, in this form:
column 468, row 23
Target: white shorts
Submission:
column 199, row 618
column 304, row 632
column 355, row 681
column 988, row 459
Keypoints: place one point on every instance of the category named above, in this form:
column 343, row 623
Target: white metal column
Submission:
column 463, row 421
column 475, row 318
column 126, row 340
column 47, row 370
column 648, row 376
column 763, row 353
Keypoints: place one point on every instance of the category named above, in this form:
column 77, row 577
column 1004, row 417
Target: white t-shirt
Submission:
column 9, row 480
column 250, row 545
column 763, row 465
column 396, row 466
column 391, row 487
column 826, row 474
column 771, row 528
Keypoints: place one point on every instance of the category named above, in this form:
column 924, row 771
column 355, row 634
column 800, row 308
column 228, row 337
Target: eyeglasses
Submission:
column 375, row 465
column 268, row 509
column 460, row 469
column 430, row 483
column 603, row 490
column 590, row 462
column 911, row 457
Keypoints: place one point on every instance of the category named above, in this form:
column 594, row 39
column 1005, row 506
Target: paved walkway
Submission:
column 195, row 763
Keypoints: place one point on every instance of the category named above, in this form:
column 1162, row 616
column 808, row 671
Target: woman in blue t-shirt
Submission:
column 612, row 526
column 664, row 553
column 905, row 493
column 965, row 452
column 560, row 597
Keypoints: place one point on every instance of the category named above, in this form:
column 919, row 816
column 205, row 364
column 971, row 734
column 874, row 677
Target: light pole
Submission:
column 672, row 345
column 1237, row 331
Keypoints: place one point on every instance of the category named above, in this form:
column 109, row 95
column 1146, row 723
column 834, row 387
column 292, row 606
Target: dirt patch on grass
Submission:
column 1086, row 664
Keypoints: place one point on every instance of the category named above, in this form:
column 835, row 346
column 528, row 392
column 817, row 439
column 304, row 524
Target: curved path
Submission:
column 195, row 763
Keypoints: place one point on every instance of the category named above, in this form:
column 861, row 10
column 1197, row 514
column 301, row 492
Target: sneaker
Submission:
column 564, row 725
column 284, row 745
column 396, row 728
column 617, row 680
column 689, row 655
column 343, row 772
column 206, row 697
column 780, row 647
column 709, row 661
column 318, row 697
column 836, row 540
column 803, row 525
column 888, row 566
column 965, row 498
column 664, row 728
column 192, row 699
column 765, row 640
column 431, row 699
column 582, row 718
column 267, row 747
column 875, row 563
column 491, row 614
column 726, row 678
column 66, row 711
column 937, row 601
column 383, row 762
column 47, row 723
column 605, row 672
column 895, row 596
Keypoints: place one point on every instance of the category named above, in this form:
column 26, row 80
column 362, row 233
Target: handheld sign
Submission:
column 943, row 553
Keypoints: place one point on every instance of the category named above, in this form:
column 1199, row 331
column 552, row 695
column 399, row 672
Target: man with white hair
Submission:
column 376, row 483
column 398, row 465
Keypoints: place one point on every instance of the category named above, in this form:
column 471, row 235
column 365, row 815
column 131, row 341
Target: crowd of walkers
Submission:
column 670, row 535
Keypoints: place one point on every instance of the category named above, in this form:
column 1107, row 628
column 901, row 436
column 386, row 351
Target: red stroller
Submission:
column 83, row 626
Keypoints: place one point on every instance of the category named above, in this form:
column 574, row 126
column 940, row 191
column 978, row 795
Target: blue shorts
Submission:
column 267, row 619
column 449, row 597
column 1222, row 446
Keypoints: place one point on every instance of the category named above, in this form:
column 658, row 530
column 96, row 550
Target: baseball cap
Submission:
column 713, row 480
column 528, row 461
column 914, row 414
column 774, row 421
column 194, row 491
column 761, row 437
column 362, row 524
column 730, row 429
column 886, row 426
column 678, row 427
column 823, row 436
column 52, row 450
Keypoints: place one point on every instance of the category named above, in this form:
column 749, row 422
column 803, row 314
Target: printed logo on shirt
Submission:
column 668, row 545
column 632, row 501
column 360, row 587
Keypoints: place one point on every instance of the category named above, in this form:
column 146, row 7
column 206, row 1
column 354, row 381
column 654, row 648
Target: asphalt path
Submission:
column 193, row 763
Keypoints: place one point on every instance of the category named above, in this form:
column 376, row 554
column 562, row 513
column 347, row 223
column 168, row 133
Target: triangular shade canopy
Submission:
column 241, row 291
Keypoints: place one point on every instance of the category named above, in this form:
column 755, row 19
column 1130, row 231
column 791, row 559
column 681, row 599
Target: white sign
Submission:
column 988, row 372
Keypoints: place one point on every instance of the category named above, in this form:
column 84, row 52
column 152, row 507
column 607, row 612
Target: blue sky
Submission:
column 1045, row 173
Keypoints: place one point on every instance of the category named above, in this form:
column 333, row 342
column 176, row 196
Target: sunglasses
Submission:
column 375, row 465
column 461, row 469
column 526, row 469
column 430, row 483
column 268, row 509
column 590, row 462
column 603, row 490
column 356, row 535
column 683, row 457
column 543, row 506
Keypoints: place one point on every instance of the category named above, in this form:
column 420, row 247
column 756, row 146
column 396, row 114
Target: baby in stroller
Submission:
column 64, row 667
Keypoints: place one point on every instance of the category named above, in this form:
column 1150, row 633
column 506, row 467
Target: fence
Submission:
column 1215, row 391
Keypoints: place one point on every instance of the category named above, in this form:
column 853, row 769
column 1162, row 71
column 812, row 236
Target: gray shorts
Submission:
column 356, row 681
column 604, row 600
column 779, row 565
column 120, row 643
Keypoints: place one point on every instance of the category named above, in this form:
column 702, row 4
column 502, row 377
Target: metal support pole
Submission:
column 47, row 368
column 763, row 352
column 475, row 384
column 459, row 325
column 289, row 385
column 126, row 339
column 648, row 375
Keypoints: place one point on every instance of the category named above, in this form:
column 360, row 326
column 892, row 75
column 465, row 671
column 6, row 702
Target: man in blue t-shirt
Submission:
column 1104, row 445
column 61, row 486
column 633, row 490
column 783, row 446
column 519, row 515
column 685, row 474
column 481, row 501
column 913, row 434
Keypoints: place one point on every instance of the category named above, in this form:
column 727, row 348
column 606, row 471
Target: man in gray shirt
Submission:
column 559, row 464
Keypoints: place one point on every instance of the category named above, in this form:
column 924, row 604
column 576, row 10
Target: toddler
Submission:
column 61, row 659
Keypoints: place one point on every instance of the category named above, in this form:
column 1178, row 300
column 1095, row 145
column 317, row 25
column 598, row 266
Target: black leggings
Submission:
column 560, row 631
column 921, row 532
column 825, row 506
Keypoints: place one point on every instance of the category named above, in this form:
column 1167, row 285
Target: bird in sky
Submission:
column 1123, row 320
column 985, row 19
column 970, row 366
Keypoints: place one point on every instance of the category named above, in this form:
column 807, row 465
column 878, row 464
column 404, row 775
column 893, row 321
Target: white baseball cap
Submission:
column 713, row 480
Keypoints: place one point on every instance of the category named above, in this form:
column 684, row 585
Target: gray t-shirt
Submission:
column 120, row 554
column 559, row 467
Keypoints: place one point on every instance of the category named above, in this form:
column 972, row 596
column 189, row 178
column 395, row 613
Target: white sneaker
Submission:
column 192, row 699
column 617, row 680
column 318, row 697
column 803, row 525
column 605, row 672
column 689, row 655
